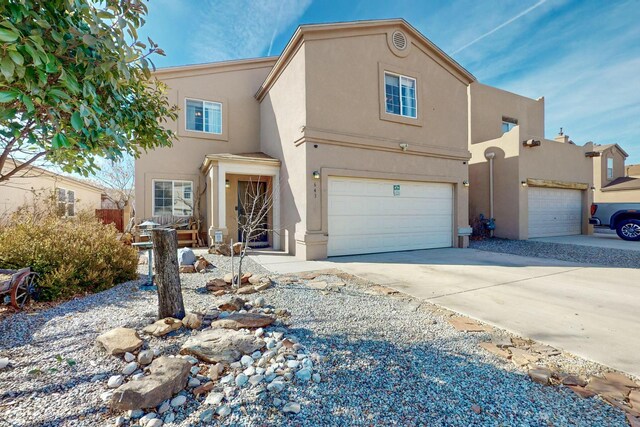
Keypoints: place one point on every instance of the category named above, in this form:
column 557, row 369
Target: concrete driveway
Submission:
column 590, row 311
column 600, row 239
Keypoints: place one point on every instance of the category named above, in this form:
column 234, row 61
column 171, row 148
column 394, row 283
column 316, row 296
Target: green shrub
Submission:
column 72, row 255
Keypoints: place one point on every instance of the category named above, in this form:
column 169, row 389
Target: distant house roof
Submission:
column 605, row 147
column 34, row 171
column 623, row 183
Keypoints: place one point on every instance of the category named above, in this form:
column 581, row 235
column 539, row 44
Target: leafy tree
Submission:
column 76, row 84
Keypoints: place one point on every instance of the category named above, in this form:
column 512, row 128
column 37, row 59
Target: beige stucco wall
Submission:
column 619, row 170
column 514, row 163
column 234, row 85
column 18, row 191
column 283, row 115
column 489, row 104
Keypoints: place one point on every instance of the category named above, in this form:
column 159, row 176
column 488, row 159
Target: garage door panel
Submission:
column 554, row 212
column 365, row 216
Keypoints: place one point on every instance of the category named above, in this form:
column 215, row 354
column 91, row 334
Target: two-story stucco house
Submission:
column 532, row 186
column 613, row 181
column 358, row 130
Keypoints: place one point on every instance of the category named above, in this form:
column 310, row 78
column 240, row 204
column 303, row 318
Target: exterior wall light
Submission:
column 465, row 183
column 316, row 175
column 524, row 183
column 593, row 188
column 227, row 184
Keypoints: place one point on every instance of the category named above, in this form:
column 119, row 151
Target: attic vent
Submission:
column 399, row 40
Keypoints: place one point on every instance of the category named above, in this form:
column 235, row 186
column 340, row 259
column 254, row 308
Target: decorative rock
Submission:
column 259, row 302
column 228, row 278
column 163, row 326
column 179, row 400
column 223, row 411
column 190, row 359
column 275, row 386
column 192, row 320
column 193, row 382
column 194, row 370
column 217, row 284
column 243, row 321
column 201, row 264
column 130, row 368
column 245, row 277
column 293, row 364
column 148, row 417
column 241, row 379
column 166, row 405
column 156, row 422
column 291, row 407
column 476, row 409
column 106, row 396
column 129, row 357
column 134, row 414
column 245, row 290
column 573, row 380
column 495, row 349
column 304, row 374
column 221, row 345
column 316, row 378
column 188, row 269
column 145, row 357
column 119, row 341
column 119, row 421
column 540, row 375
column 246, row 360
column 264, row 285
column 256, row 279
column 249, row 371
column 256, row 379
column 227, row 379
column 277, row 402
column 207, row 415
column 169, row 418
column 204, row 388
column 168, row 375
column 115, row 381
column 186, row 256
column 229, row 303
column 214, row 398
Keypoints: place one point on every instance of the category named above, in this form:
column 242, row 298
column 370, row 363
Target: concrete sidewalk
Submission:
column 593, row 312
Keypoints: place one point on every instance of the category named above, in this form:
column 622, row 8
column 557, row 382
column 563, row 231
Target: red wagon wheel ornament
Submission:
column 22, row 291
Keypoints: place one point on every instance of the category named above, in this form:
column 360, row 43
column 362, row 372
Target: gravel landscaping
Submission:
column 561, row 251
column 383, row 360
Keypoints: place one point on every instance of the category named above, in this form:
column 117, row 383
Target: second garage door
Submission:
column 368, row 216
column 554, row 212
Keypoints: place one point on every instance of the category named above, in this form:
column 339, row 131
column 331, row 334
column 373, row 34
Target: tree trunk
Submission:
column 165, row 256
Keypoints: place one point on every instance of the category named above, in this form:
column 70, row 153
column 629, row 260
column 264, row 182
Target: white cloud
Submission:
column 233, row 29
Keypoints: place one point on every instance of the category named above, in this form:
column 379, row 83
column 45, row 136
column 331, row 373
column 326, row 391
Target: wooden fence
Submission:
column 112, row 216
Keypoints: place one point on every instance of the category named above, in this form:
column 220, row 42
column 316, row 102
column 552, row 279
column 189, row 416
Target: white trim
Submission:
column 249, row 169
column 172, row 181
column 186, row 120
column 415, row 90
column 607, row 168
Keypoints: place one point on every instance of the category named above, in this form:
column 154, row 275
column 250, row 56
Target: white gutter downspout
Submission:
column 490, row 156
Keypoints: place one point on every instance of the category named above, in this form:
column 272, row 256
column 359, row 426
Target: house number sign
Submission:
column 396, row 189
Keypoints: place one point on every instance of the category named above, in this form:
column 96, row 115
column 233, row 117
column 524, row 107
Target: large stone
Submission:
column 243, row 320
column 217, row 284
column 192, row 320
column 228, row 278
column 163, row 326
column 167, row 376
column 237, row 248
column 201, row 264
column 229, row 303
column 245, row 290
column 541, row 375
column 620, row 380
column 464, row 324
column 221, row 345
column 187, row 269
column 522, row 357
column 120, row 341
column 493, row 348
column 607, row 389
column 186, row 256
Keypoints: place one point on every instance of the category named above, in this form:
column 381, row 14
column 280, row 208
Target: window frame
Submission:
column 172, row 181
column 66, row 200
column 509, row 121
column 609, row 159
column 415, row 90
column 204, row 101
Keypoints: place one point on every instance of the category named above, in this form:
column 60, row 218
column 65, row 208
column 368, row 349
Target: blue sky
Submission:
column 583, row 56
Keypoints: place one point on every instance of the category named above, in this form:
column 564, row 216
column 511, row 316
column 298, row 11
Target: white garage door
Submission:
column 368, row 216
column 554, row 212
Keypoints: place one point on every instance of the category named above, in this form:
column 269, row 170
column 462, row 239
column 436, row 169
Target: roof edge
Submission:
column 235, row 63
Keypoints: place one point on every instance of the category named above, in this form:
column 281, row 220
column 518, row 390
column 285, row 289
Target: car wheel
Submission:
column 629, row 229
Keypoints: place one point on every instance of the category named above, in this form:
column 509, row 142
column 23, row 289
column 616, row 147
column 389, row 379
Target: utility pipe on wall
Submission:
column 490, row 156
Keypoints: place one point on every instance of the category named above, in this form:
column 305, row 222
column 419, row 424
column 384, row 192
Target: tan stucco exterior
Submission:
column 39, row 183
column 317, row 107
column 622, row 186
column 550, row 163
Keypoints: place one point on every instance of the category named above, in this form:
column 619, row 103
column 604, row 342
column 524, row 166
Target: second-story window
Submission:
column 400, row 95
column 609, row 167
column 508, row 123
column 204, row 116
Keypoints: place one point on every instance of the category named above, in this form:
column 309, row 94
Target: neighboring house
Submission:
column 532, row 186
column 71, row 194
column 358, row 130
column 613, row 181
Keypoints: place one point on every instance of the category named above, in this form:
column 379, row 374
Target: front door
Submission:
column 252, row 199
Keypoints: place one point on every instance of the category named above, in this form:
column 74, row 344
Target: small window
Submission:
column 609, row 167
column 400, row 95
column 508, row 123
column 172, row 198
column 66, row 202
column 204, row 116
